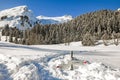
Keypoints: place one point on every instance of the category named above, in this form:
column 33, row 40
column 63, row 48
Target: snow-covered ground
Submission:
column 53, row 62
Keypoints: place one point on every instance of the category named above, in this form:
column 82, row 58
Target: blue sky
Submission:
column 61, row 7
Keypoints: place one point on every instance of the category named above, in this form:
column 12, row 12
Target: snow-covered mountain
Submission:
column 118, row 9
column 21, row 17
column 54, row 20
column 18, row 17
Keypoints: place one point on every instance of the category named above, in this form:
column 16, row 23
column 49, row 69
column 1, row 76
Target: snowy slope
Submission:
column 22, row 18
column 18, row 17
column 54, row 20
column 52, row 62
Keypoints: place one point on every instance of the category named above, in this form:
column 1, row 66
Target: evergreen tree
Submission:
column 16, row 40
column 115, row 38
column 10, row 38
column 88, row 40
column 105, row 38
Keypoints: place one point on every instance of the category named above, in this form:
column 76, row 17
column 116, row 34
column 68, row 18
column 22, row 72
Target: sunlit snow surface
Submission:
column 53, row 62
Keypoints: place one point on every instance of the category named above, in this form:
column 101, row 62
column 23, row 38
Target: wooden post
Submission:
column 0, row 34
column 71, row 55
column 71, row 67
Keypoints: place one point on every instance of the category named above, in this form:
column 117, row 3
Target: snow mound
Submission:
column 20, row 68
column 60, row 68
column 28, row 72
column 13, row 68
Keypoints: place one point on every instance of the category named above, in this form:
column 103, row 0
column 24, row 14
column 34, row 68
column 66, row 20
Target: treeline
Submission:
column 88, row 28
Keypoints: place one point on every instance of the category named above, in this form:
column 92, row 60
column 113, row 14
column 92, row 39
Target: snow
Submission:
column 53, row 62
column 118, row 9
column 54, row 20
column 12, row 17
column 92, row 71
column 29, row 72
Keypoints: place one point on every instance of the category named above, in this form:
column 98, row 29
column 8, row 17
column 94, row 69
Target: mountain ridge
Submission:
column 53, row 20
column 22, row 17
column 18, row 17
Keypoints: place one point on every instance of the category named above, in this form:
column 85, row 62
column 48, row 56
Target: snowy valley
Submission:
column 53, row 62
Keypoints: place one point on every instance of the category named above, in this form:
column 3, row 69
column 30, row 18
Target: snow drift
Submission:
column 81, row 71
column 20, row 68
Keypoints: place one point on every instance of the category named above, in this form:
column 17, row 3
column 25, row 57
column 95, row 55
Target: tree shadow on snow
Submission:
column 62, row 52
column 36, row 48
column 4, row 74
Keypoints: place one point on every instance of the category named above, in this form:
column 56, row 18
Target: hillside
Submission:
column 88, row 28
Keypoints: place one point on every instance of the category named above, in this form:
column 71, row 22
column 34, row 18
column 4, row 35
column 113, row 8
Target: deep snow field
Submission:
column 53, row 62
